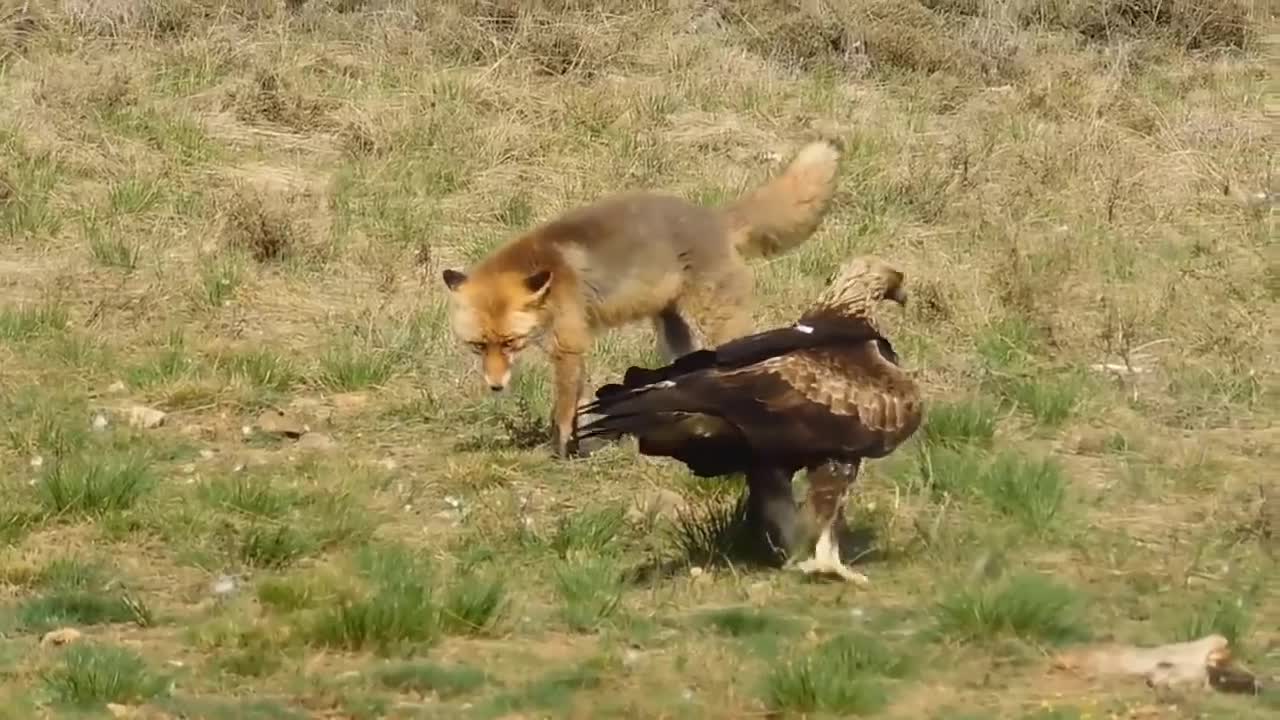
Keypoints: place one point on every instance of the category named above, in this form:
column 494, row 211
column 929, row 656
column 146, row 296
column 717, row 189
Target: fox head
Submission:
column 496, row 316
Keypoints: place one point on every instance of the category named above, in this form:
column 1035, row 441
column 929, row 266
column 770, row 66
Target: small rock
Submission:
column 141, row 416
column 37, row 462
column 696, row 572
column 660, row 503
column 275, row 422
column 99, row 422
column 207, row 454
column 119, row 711
column 316, row 441
column 225, row 585
column 61, row 636
column 388, row 464
column 116, row 388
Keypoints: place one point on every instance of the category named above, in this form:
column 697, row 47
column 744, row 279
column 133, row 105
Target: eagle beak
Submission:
column 899, row 295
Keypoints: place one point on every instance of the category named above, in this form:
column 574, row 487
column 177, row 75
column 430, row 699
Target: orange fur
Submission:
column 628, row 257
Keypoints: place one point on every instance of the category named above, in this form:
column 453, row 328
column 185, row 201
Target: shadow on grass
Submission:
column 716, row 533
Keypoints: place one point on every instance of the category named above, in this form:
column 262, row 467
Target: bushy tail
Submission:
column 785, row 211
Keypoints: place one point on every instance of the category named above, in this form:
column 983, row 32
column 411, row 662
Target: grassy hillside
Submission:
column 220, row 210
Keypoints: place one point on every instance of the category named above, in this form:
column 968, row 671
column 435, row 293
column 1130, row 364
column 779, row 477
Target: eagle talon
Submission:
column 826, row 560
column 816, row 566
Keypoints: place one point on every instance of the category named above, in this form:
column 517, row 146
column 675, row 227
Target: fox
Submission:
column 625, row 258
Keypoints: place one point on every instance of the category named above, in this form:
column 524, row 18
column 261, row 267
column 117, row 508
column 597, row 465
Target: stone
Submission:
column 141, row 416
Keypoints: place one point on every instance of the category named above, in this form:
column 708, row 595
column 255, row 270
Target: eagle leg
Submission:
column 771, row 509
column 829, row 487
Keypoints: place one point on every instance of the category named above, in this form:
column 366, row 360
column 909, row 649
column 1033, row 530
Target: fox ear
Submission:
column 538, row 284
column 454, row 279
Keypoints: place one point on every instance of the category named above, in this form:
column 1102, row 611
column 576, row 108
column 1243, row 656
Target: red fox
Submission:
column 627, row 257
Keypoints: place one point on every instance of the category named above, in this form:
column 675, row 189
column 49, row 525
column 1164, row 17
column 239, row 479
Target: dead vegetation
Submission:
column 224, row 211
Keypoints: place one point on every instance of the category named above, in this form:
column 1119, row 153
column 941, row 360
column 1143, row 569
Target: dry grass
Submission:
column 241, row 205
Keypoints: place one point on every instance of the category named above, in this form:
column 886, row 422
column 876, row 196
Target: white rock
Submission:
column 141, row 416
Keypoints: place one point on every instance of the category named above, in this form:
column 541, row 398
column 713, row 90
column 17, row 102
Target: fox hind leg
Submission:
column 720, row 307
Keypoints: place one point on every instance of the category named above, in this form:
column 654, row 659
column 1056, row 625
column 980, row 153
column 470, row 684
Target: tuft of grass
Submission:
column 971, row 422
column 77, row 608
column 1026, row 606
column 94, row 486
column 286, row 594
column 134, row 195
column 171, row 363
column 91, row 675
column 1008, row 343
column 401, row 609
column 1030, row 491
column 1227, row 615
column 591, row 532
column 252, row 495
column 590, row 590
column 1049, row 402
column 715, row 532
column 110, row 250
column 352, row 367
column 275, row 547
column 845, row 675
column 473, row 604
column 25, row 322
column 69, row 573
column 26, row 188
column 220, row 277
column 431, row 678
column 263, row 369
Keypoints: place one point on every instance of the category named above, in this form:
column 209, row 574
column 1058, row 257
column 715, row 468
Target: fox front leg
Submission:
column 569, row 377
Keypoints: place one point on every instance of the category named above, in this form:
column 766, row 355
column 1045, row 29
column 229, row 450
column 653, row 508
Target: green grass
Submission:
column 445, row 682
column 846, row 675
column 353, row 367
column 89, row 485
column 971, row 422
column 93, row 674
column 1031, row 491
column 590, row 592
column 1026, row 606
column 216, row 209
column 27, row 321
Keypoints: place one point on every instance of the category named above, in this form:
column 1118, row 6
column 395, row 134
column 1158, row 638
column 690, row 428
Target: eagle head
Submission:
column 860, row 284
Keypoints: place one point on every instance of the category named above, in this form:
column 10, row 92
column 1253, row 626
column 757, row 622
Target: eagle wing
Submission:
column 794, row 409
column 740, row 352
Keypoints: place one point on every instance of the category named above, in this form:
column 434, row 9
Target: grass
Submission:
column 1029, row 607
column 94, row 485
column 220, row 209
column 91, row 675
column 846, row 675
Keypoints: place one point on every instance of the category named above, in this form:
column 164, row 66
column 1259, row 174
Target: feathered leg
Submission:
column 829, row 487
column 771, row 508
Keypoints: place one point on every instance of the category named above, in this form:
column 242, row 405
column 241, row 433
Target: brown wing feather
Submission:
column 874, row 401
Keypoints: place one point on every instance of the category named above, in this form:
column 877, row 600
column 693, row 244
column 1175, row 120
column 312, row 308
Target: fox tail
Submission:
column 782, row 213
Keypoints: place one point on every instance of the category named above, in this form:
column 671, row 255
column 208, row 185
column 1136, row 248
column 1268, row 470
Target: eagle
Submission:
column 819, row 395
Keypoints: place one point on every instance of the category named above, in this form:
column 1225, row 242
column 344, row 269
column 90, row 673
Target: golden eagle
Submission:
column 819, row 395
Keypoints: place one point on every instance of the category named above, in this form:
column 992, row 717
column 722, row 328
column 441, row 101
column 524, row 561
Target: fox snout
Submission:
column 497, row 371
